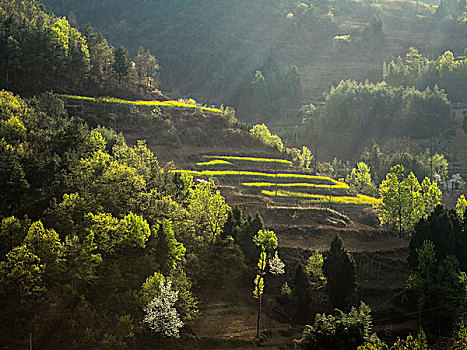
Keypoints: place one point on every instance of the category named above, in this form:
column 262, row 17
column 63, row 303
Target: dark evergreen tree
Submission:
column 122, row 62
column 444, row 228
column 341, row 274
column 301, row 293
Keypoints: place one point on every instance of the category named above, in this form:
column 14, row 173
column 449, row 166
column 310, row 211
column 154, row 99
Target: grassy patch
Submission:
column 127, row 103
column 253, row 159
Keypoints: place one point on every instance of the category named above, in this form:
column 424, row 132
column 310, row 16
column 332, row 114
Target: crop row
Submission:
column 214, row 163
column 317, row 198
column 251, row 159
column 261, row 175
column 127, row 103
column 295, row 185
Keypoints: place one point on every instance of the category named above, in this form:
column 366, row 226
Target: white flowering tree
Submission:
column 161, row 314
column 267, row 241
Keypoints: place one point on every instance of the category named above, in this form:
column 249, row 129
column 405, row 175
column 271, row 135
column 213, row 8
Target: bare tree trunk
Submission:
column 259, row 315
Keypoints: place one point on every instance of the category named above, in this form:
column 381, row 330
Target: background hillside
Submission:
column 211, row 50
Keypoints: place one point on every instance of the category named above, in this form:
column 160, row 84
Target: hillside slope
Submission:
column 211, row 49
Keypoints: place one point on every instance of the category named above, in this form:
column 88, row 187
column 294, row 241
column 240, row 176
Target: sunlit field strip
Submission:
column 215, row 162
column 252, row 159
column 262, row 185
column 280, row 176
column 116, row 101
column 317, row 198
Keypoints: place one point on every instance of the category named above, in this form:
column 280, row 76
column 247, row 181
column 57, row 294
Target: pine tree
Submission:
column 341, row 274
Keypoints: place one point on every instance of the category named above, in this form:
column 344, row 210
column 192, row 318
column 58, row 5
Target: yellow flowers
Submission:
column 280, row 176
column 318, row 198
column 252, row 159
column 333, row 186
column 120, row 102
column 215, row 162
column 308, row 189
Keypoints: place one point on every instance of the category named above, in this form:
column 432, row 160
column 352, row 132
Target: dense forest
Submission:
column 134, row 217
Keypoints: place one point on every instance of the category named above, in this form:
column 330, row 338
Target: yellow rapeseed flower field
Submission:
column 120, row 102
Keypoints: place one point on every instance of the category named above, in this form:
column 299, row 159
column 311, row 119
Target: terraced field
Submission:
column 276, row 179
column 128, row 103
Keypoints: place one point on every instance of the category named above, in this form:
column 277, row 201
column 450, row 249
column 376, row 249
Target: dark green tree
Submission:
column 122, row 63
column 444, row 228
column 340, row 270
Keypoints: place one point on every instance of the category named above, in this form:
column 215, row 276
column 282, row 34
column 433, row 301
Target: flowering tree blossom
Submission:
column 276, row 266
column 160, row 314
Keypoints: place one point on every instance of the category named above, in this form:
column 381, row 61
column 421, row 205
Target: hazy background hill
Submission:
column 212, row 50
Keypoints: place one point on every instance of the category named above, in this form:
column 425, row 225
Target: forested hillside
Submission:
column 42, row 52
column 213, row 50
column 135, row 219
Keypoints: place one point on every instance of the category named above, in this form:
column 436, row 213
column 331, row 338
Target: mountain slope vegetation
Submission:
column 213, row 50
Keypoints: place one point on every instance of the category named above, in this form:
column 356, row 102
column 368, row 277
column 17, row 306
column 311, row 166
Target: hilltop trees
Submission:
column 41, row 52
column 369, row 109
column 413, row 69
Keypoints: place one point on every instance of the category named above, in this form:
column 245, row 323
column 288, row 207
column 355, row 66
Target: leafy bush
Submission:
column 337, row 332
column 262, row 133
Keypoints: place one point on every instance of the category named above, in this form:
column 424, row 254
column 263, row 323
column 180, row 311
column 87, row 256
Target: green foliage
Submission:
column 460, row 337
column 303, row 159
column 461, row 207
column 422, row 164
column 360, row 179
column 270, row 91
column 342, row 331
column 445, row 229
column 12, row 233
column 170, row 252
column 441, row 288
column 340, row 270
column 261, row 132
column 208, row 209
column 366, row 110
column 44, row 52
column 447, row 72
column 106, row 216
column 410, row 343
column 404, row 201
column 314, row 271
column 267, row 241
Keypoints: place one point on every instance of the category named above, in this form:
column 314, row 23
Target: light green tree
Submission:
column 304, row 158
column 267, row 241
column 404, row 201
column 314, row 271
column 360, row 179
column 208, row 209
column 461, row 206
column 262, row 133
